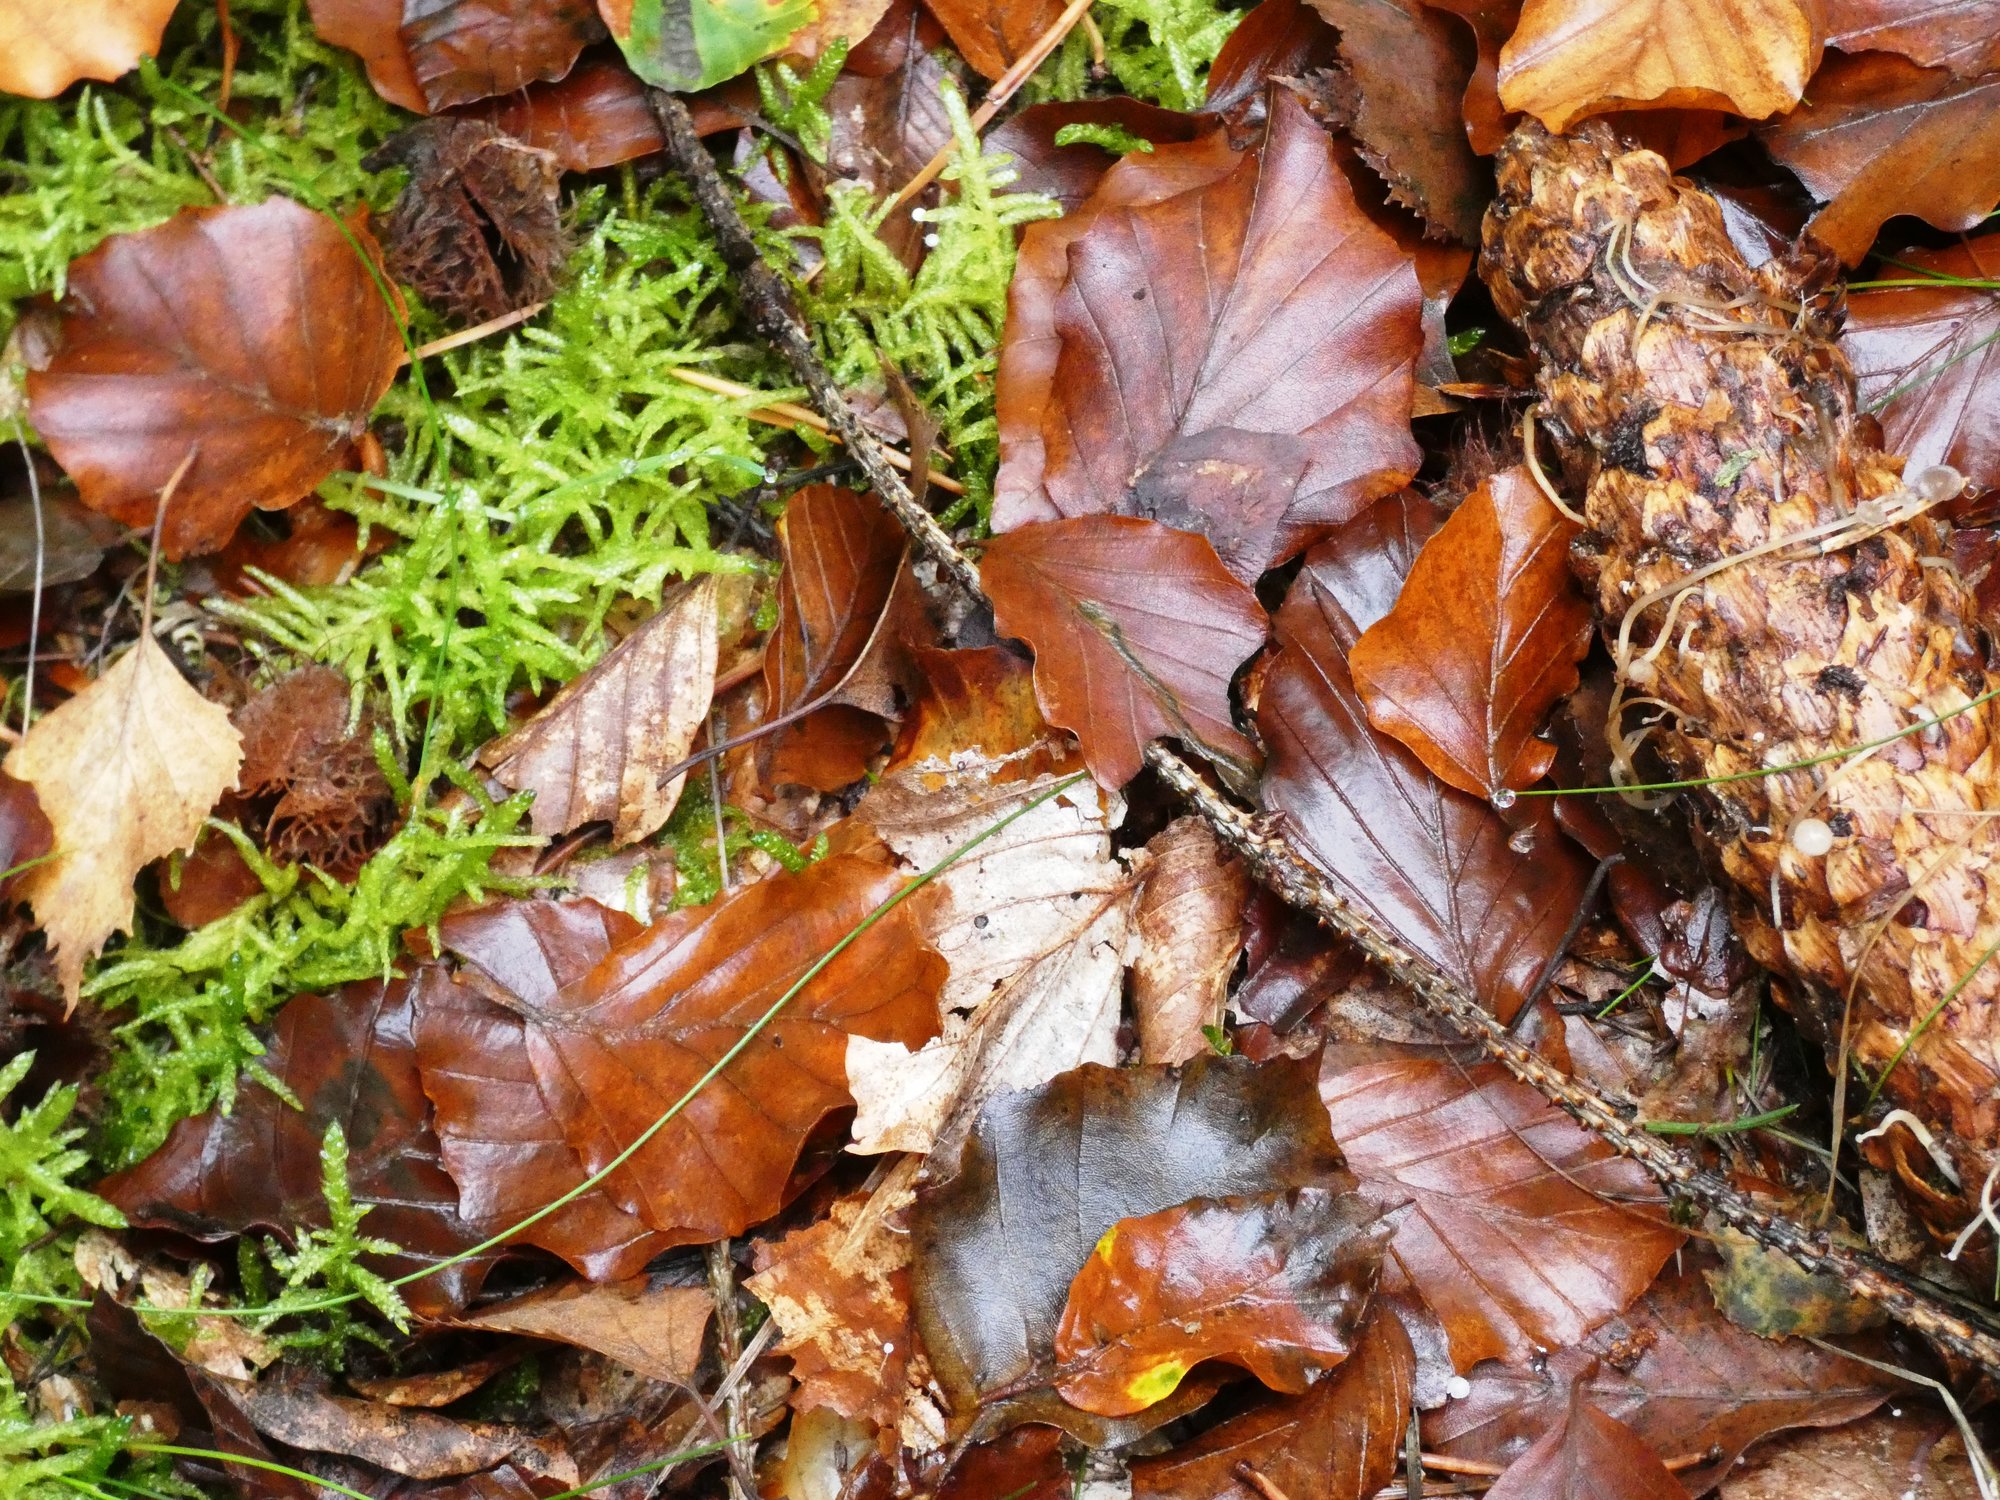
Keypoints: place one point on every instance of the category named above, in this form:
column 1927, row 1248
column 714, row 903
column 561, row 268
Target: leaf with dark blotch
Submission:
column 462, row 50
column 1881, row 136
column 1962, row 35
column 1275, row 39
column 1046, row 1171
column 1410, row 66
column 371, row 29
column 843, row 595
column 1487, row 903
column 351, row 1060
column 1137, row 630
column 1190, row 923
column 992, row 35
column 1523, row 1230
column 612, row 1051
column 1276, row 1283
column 594, row 753
column 477, row 229
column 1342, row 1440
column 681, row 45
column 1676, row 1371
column 597, row 116
column 1252, row 385
column 1482, row 642
column 1587, row 1455
column 1069, row 174
column 644, row 1323
column 253, row 335
column 1928, row 359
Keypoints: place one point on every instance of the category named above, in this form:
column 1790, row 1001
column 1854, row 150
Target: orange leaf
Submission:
column 255, row 335
column 1275, row 1283
column 371, row 30
column 1236, row 358
column 1517, row 1235
column 654, row 1328
column 46, row 45
column 1483, row 640
column 1571, row 58
column 1883, row 137
column 1137, row 629
column 993, row 35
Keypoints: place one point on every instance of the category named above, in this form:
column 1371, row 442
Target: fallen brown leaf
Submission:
column 648, row 1326
column 25, row 831
column 1190, row 925
column 1587, row 1456
column 992, row 35
column 594, row 753
column 254, row 335
column 371, row 30
column 462, row 50
column 125, row 773
column 1275, row 39
column 596, row 116
column 46, row 45
column 1070, row 174
column 1962, row 35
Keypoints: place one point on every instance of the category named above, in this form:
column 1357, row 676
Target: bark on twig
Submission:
column 1292, row 877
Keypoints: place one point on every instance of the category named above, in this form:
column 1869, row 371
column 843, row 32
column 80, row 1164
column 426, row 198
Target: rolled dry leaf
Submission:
column 1777, row 595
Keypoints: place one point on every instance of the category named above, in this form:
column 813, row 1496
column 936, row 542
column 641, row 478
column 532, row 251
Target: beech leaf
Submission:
column 1276, row 1283
column 1137, row 629
column 1882, row 136
column 1587, row 1456
column 1571, row 58
column 1962, row 35
column 372, row 30
column 1190, row 924
column 462, row 50
column 594, row 753
column 647, row 1325
column 993, row 35
column 681, row 45
column 46, row 45
column 254, row 335
column 1515, row 1236
column 126, row 772
column 1488, row 903
column 1482, row 642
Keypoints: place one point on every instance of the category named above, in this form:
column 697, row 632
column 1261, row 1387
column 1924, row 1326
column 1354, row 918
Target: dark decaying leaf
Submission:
column 1523, row 1230
column 1046, row 1171
column 477, row 230
column 1410, row 65
column 1070, row 174
column 1881, row 136
column 1252, row 386
column 497, row 1138
column 1587, row 1455
column 1137, row 630
column 1962, row 35
column 842, row 598
column 646, row 1324
column 1928, row 358
column 253, row 334
column 1190, row 922
column 594, row 753
column 311, row 777
column 1275, row 39
column 25, row 831
column 612, row 1050
column 74, row 541
column 992, row 35
column 1676, row 1371
column 1485, row 902
column 462, row 50
column 1482, row 642
column 1276, row 1283
column 1341, row 1440
column 351, row 1061
column 371, row 29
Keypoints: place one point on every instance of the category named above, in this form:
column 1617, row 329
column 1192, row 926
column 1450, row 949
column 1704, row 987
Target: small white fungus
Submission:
column 1812, row 837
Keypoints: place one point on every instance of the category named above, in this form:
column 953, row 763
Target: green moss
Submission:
column 1159, row 50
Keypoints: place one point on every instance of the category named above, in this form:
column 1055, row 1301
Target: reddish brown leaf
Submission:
column 254, row 336
column 1882, row 136
column 1342, row 1440
column 1026, row 1464
column 462, row 50
column 1587, row 1456
column 369, row 28
column 1410, row 67
column 1487, row 903
column 351, row 1061
column 497, row 1138
column 1928, row 358
column 46, row 45
column 317, row 547
column 1507, row 1240
column 615, row 1049
column 841, row 597
column 1483, row 640
column 1571, row 58
column 1962, row 35
column 648, row 1326
column 597, row 115
column 1070, row 174
column 1276, row 1283
column 992, row 35
column 1137, row 629
column 594, row 753
column 1681, row 1375
column 1046, row 1171
column 839, row 1290
column 1252, row 385
column 25, row 831
column 1275, row 39
column 1190, row 922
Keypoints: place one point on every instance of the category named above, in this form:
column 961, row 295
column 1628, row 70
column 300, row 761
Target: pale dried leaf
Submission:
column 653, row 1330
column 1191, row 928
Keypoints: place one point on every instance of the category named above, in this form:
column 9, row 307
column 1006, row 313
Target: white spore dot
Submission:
column 1812, row 837
column 1458, row 1388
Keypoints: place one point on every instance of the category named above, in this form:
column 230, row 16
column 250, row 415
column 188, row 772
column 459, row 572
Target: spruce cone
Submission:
column 1706, row 413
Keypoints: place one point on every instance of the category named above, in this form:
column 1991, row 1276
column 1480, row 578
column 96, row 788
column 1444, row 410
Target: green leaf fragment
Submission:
column 692, row 44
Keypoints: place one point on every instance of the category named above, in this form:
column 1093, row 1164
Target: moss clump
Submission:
column 1159, row 50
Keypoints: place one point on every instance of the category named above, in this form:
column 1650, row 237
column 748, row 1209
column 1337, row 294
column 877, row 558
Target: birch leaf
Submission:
column 126, row 771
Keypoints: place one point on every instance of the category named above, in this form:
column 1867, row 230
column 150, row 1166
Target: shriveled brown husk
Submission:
column 1703, row 410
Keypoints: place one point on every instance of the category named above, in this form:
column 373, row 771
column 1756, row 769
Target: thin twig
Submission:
column 1289, row 875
